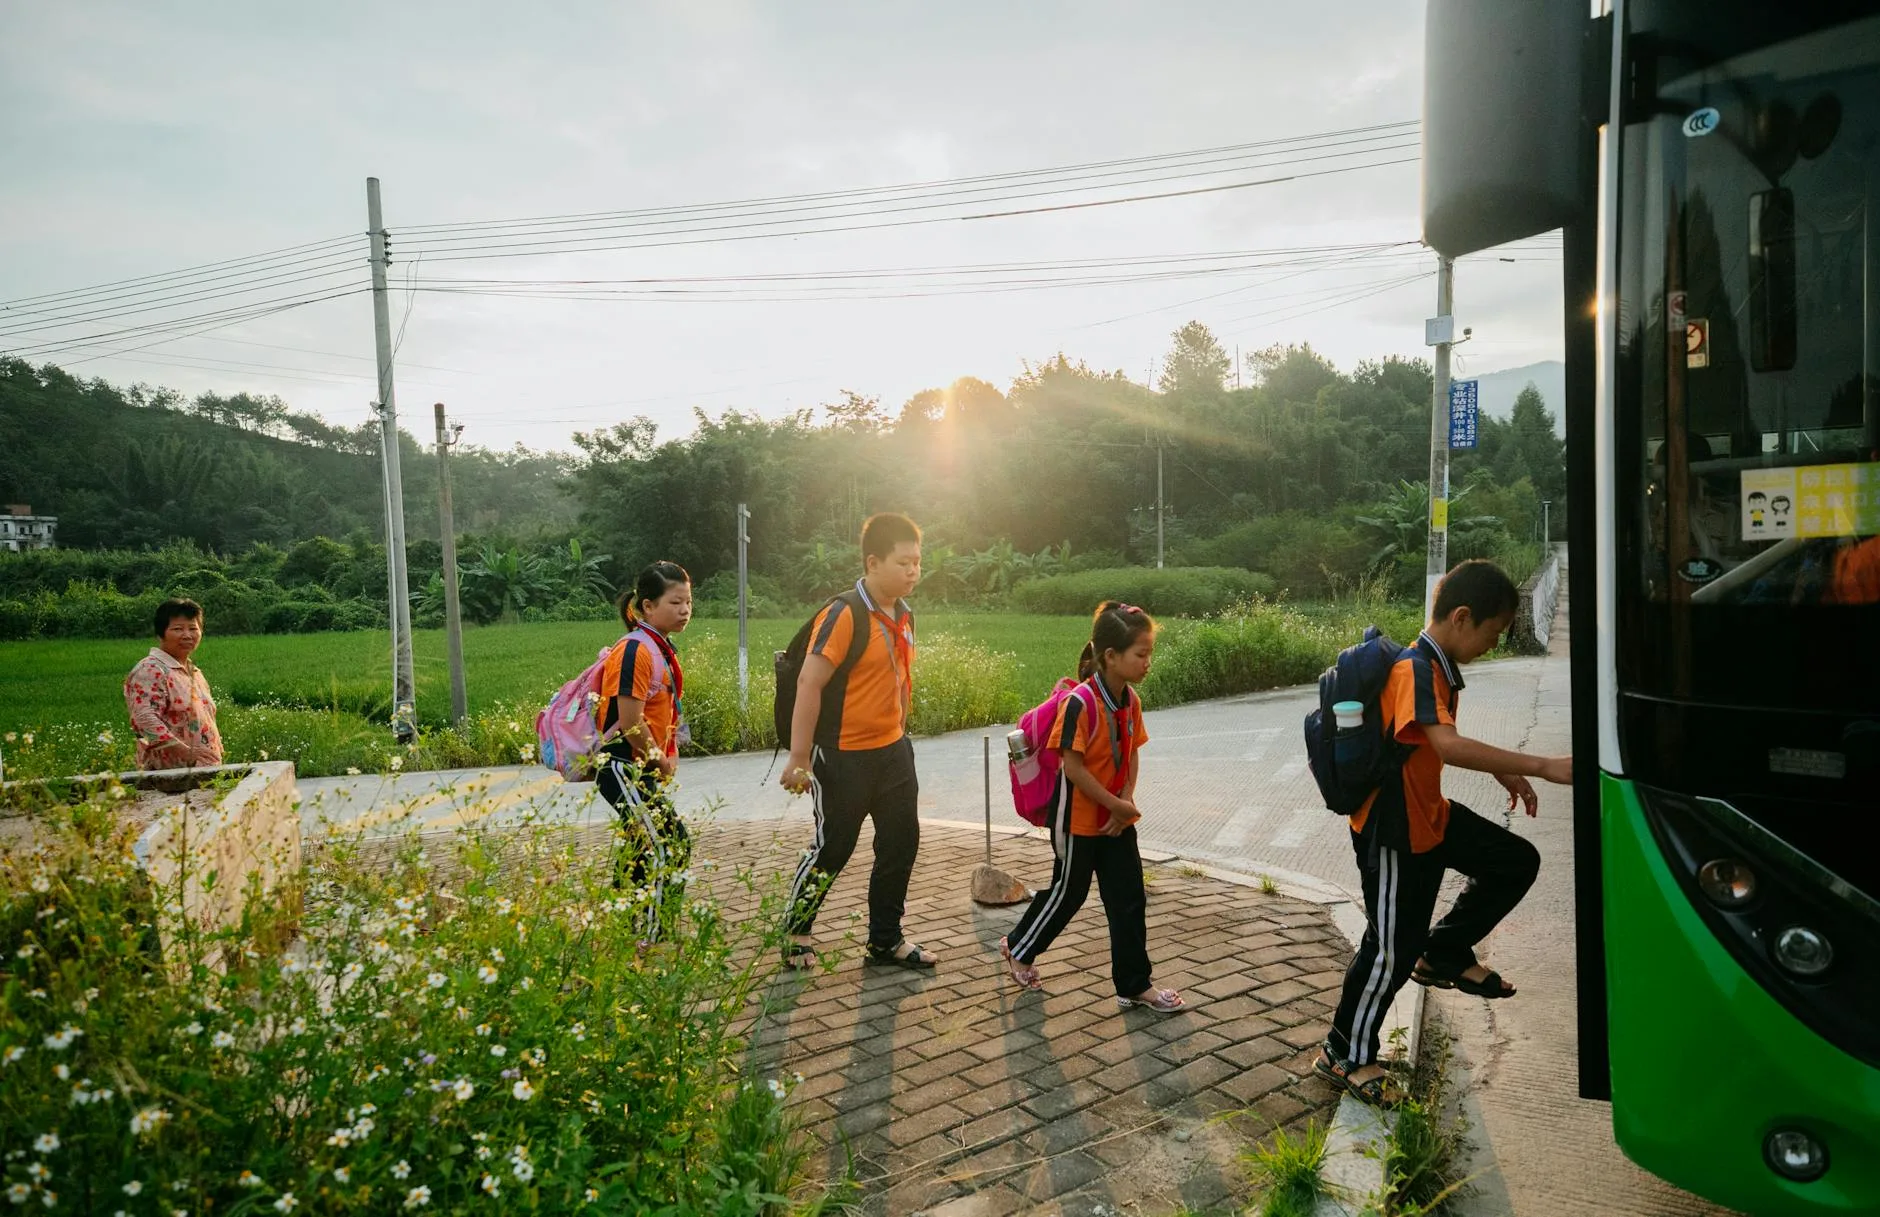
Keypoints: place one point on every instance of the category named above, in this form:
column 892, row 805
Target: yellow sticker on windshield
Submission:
column 1811, row 501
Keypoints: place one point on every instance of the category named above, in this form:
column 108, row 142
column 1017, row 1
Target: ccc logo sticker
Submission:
column 1702, row 122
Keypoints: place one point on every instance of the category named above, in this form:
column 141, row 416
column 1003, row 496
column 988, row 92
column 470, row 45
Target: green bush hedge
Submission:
column 1191, row 591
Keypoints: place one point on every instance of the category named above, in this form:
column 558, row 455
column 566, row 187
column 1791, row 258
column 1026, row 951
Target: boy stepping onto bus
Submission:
column 1407, row 834
column 849, row 746
column 1098, row 732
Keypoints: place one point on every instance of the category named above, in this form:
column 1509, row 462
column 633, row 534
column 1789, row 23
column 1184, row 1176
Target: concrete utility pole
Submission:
column 1439, row 332
column 453, row 609
column 391, row 567
column 1547, row 532
column 1160, row 507
column 744, row 580
column 404, row 697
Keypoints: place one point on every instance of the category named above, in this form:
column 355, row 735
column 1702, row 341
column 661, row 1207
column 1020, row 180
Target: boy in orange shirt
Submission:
column 1408, row 834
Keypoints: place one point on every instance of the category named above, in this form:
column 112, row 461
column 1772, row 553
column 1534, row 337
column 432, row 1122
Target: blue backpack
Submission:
column 1350, row 764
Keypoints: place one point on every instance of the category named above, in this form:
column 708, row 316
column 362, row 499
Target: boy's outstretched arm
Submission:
column 1465, row 753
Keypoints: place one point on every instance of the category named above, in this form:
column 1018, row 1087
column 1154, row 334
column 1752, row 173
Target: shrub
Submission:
column 450, row 1032
column 1259, row 646
column 1181, row 592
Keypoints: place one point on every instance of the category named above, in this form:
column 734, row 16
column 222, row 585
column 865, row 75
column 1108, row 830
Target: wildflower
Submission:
column 523, row 1091
column 436, row 980
column 62, row 1039
column 429, row 1058
column 579, row 1030
column 352, row 771
column 401, row 1169
column 342, row 1137
column 12, row 1054
column 498, row 1050
column 286, row 1203
column 526, row 753
column 39, row 1172
column 523, row 1169
column 222, row 1039
column 395, row 764
column 133, row 1187
column 590, row 1195
column 490, row 1185
column 27, row 738
column 777, row 1091
column 297, row 1027
column 463, row 1088
column 62, row 1072
column 49, row 1198
column 263, row 754
column 47, row 1142
column 528, row 983
column 194, row 1028
column 485, row 1153
column 417, row 1197
column 26, row 952
column 354, row 971
column 483, row 1029
column 104, row 737
column 248, row 1179
column 38, row 993
column 41, row 883
column 343, row 1174
column 19, row 1193
column 11, row 736
column 148, row 1120
column 487, row 974
column 496, row 954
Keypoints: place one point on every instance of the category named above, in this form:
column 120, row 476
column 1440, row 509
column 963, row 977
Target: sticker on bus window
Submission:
column 1811, row 501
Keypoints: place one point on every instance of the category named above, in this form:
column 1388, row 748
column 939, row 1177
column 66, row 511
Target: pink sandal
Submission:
column 1026, row 976
column 1162, row 1001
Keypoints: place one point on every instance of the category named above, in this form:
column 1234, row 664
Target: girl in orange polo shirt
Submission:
column 641, row 716
column 1093, row 824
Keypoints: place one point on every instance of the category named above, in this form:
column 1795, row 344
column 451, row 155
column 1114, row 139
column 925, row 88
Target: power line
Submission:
column 331, row 270
column 120, row 284
column 1402, row 127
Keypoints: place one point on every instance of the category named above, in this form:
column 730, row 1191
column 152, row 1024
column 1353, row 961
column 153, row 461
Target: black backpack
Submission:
column 1349, row 768
column 788, row 663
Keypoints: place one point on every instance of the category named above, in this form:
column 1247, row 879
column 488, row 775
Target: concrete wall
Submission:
column 1540, row 598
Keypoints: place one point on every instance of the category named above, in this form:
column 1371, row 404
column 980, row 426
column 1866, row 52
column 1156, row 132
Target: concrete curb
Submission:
column 1359, row 1137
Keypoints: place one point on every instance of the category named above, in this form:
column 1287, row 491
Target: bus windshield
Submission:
column 1748, row 374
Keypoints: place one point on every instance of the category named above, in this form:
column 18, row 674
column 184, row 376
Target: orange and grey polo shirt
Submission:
column 1424, row 689
column 633, row 670
column 866, row 706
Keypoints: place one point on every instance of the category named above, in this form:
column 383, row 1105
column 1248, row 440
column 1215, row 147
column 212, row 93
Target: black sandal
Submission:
column 800, row 957
column 915, row 957
column 1490, row 986
column 1329, row 1069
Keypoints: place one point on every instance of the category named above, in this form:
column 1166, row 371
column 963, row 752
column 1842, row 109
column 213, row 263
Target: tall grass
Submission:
column 467, row 1030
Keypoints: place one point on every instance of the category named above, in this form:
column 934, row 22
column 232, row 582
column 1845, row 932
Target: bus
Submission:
column 1714, row 166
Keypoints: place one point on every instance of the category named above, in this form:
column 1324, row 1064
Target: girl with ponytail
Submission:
column 1098, row 732
column 641, row 715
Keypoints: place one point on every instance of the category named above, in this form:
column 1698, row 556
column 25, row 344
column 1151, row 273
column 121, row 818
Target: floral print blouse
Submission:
column 169, row 704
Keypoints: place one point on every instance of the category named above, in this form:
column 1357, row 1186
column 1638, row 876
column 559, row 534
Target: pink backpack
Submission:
column 567, row 731
column 1035, row 778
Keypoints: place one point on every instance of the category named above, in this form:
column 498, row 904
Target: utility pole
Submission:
column 404, row 698
column 1547, row 532
column 1439, row 332
column 1160, row 507
column 453, row 609
column 744, row 579
column 391, row 567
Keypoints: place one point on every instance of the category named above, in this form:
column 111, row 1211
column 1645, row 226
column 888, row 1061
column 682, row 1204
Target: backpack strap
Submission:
column 858, row 637
column 1119, row 757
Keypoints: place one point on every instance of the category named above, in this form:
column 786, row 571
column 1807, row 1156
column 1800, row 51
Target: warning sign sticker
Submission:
column 1811, row 501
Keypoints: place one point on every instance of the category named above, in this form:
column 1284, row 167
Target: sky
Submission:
column 145, row 139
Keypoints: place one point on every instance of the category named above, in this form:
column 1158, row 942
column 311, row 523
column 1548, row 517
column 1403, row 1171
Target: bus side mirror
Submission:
column 1772, row 303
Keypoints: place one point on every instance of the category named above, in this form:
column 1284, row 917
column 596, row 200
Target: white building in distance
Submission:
column 21, row 529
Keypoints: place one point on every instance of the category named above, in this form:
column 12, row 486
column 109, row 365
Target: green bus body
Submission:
column 1704, row 1062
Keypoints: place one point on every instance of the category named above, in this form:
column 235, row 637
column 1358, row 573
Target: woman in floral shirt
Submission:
column 168, row 696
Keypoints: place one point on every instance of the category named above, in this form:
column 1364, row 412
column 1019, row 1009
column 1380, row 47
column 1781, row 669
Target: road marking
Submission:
column 1300, row 825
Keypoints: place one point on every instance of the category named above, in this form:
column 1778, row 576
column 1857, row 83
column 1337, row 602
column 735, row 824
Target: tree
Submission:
column 1195, row 365
column 856, row 413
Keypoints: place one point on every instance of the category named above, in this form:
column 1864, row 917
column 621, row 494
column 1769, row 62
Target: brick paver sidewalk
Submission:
column 955, row 1093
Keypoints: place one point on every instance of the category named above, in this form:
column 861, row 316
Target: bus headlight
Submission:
column 1729, row 882
column 1794, row 1154
column 1803, row 952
